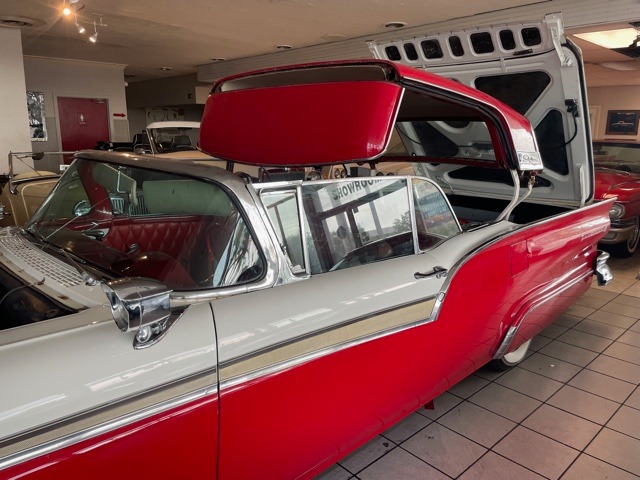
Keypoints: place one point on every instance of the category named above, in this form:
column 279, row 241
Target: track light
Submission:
column 80, row 28
column 73, row 6
column 94, row 38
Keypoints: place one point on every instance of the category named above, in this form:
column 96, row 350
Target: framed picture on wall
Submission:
column 622, row 122
column 37, row 122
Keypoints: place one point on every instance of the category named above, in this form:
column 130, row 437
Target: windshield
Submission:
column 619, row 156
column 173, row 139
column 134, row 222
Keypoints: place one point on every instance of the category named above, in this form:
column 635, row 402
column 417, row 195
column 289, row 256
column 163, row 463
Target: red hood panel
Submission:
column 612, row 182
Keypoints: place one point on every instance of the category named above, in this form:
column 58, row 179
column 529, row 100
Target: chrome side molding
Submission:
column 601, row 269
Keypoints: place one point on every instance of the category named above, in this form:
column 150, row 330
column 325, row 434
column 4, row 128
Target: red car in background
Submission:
column 618, row 175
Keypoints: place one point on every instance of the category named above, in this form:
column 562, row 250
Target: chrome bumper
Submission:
column 601, row 269
column 619, row 232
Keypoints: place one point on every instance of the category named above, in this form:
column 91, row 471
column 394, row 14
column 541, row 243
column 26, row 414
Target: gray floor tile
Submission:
column 580, row 311
column 529, row 383
column 468, row 386
column 626, row 420
column 566, row 320
column 593, row 302
column 442, row 404
column 407, row 427
column 599, row 329
column 630, row 338
column 584, row 404
column 621, row 309
column 399, row 464
column 627, row 300
column 614, row 319
column 536, row 452
column 585, row 340
column 550, row 367
column 634, row 399
column 635, row 327
column 367, row 454
column 444, row 449
column 336, row 472
column 617, row 449
column 495, row 467
column 538, row 342
column 553, row 331
column 505, row 402
column 586, row 467
column 625, row 352
column 564, row 427
column 601, row 294
column 477, row 424
column 626, row 371
column 602, row 385
column 569, row 353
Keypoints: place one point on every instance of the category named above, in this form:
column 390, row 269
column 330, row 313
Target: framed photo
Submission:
column 622, row 122
column 37, row 122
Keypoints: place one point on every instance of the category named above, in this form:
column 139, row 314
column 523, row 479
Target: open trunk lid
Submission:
column 534, row 69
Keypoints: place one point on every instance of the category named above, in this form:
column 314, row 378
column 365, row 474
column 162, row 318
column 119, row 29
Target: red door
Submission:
column 83, row 122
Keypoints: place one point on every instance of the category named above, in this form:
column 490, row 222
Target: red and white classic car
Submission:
column 265, row 330
column 618, row 176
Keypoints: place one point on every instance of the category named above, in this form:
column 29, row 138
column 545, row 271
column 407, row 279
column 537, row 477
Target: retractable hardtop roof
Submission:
column 345, row 111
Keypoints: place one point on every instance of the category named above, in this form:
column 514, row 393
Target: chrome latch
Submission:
column 602, row 270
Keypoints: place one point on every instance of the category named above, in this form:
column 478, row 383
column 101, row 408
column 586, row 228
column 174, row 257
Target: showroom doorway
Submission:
column 83, row 122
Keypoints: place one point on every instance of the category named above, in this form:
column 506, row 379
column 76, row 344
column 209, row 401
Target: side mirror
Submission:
column 142, row 305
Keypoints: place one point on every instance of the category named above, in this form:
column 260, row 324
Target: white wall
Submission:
column 70, row 78
column 603, row 99
column 14, row 121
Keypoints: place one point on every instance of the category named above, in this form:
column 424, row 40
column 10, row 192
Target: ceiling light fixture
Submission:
column 73, row 6
column 80, row 28
column 393, row 25
column 165, row 69
column 620, row 38
column 218, row 59
column 94, row 38
column 284, row 47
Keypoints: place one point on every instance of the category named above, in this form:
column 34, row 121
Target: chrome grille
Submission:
column 40, row 261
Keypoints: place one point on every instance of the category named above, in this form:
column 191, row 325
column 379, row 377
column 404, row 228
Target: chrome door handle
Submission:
column 437, row 272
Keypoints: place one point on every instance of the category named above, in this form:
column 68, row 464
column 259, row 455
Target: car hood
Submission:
column 615, row 183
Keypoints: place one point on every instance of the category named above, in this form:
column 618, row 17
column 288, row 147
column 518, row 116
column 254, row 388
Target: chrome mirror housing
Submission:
column 141, row 305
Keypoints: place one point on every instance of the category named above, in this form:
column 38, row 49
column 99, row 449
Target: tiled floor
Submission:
column 570, row 411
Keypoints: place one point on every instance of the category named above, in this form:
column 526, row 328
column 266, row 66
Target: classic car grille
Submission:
column 29, row 254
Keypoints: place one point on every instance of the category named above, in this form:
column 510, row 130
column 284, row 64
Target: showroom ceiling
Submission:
column 160, row 38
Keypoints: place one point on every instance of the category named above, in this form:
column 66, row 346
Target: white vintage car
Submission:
column 265, row 330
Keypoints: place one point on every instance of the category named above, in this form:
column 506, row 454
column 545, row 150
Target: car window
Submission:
column 134, row 222
column 349, row 222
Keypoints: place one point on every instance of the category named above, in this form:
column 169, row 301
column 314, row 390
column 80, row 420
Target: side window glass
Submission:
column 282, row 208
column 435, row 221
column 355, row 222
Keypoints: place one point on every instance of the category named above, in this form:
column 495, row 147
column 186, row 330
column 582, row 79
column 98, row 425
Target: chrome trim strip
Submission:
column 60, row 434
column 293, row 353
column 513, row 329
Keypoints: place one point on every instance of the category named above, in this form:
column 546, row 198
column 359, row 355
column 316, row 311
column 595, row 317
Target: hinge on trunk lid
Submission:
column 556, row 28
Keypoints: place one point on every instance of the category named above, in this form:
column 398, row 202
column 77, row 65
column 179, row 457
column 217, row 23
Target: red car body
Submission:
column 286, row 403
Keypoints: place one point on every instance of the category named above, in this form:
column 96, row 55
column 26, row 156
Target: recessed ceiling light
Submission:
column 218, row 59
column 165, row 69
column 284, row 47
column 620, row 38
column 332, row 37
column 19, row 22
column 395, row 24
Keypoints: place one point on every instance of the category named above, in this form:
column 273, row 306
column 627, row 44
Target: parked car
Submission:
column 618, row 176
column 21, row 194
column 265, row 330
